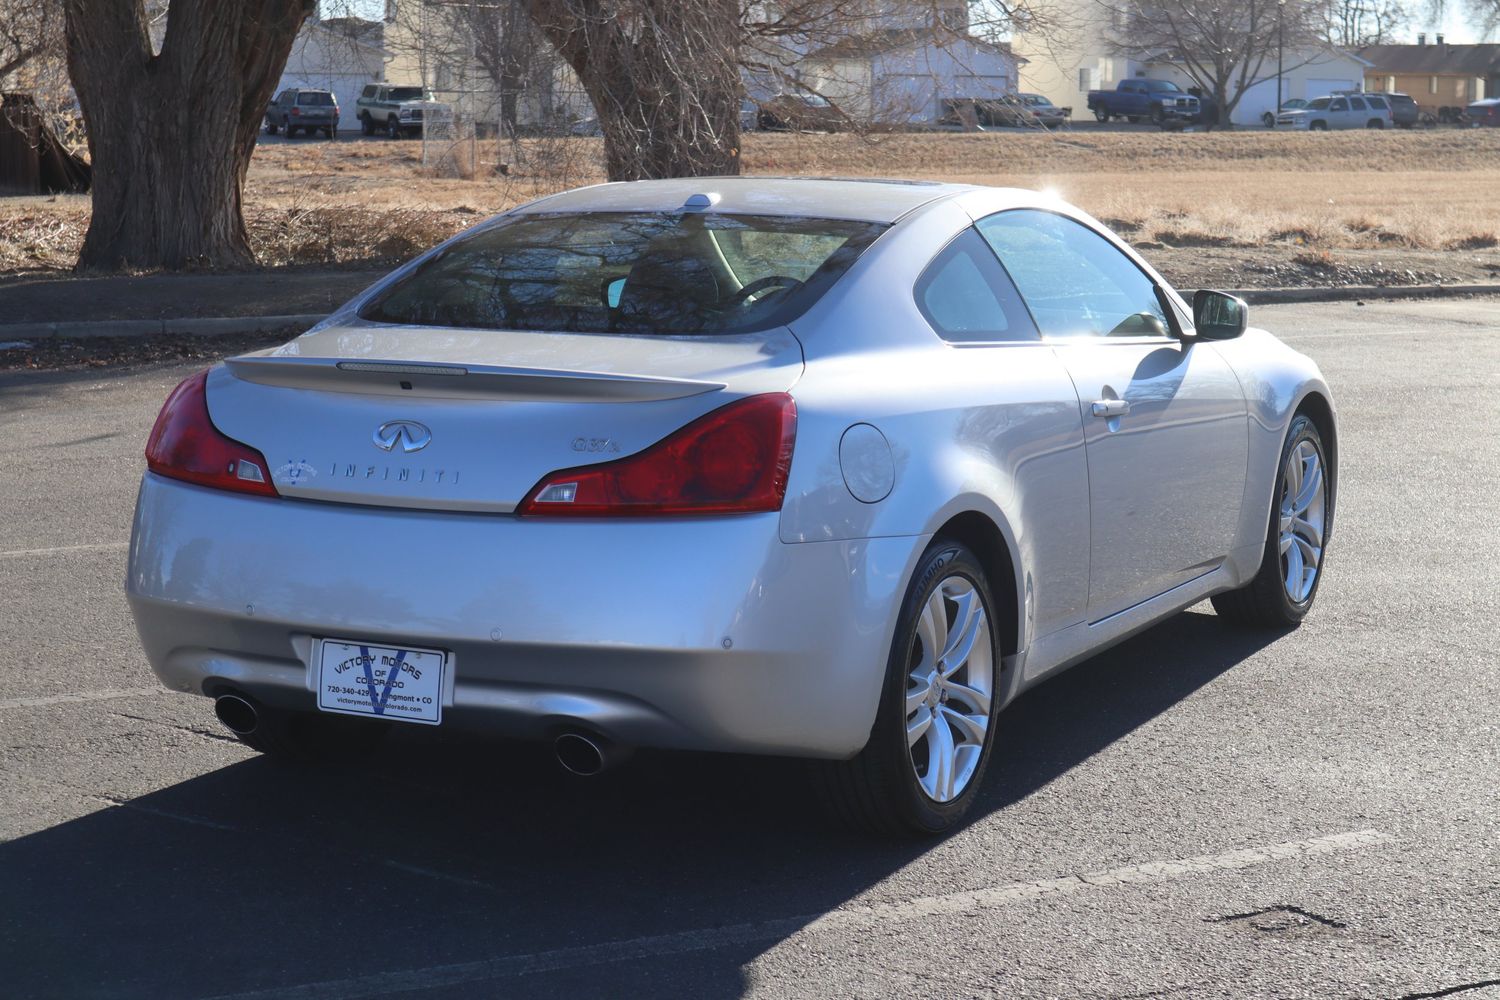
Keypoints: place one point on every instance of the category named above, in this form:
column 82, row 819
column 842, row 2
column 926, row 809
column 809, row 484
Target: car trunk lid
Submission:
column 448, row 419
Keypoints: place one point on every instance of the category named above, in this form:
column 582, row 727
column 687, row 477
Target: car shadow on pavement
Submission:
column 480, row 869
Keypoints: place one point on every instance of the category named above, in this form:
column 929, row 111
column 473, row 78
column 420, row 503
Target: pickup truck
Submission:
column 1161, row 101
column 394, row 110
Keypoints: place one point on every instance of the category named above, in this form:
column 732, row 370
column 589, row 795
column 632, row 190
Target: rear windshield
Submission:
column 317, row 100
column 405, row 94
column 609, row 272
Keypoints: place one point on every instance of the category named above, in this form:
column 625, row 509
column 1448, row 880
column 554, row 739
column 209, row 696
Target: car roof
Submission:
column 862, row 199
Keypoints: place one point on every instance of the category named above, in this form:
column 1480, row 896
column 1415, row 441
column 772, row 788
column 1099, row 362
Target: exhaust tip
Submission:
column 579, row 754
column 237, row 714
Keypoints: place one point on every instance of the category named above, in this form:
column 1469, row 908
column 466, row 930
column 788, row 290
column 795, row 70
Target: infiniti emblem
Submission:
column 409, row 434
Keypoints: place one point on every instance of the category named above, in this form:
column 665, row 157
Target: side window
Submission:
column 967, row 297
column 368, row 92
column 1378, row 103
column 1076, row 283
column 1357, row 104
column 1339, row 105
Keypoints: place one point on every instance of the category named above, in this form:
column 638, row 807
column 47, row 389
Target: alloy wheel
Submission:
column 1304, row 515
column 949, row 689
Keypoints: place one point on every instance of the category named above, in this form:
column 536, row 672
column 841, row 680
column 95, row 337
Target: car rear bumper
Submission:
column 702, row 633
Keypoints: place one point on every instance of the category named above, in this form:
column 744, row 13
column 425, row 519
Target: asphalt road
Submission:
column 1199, row 812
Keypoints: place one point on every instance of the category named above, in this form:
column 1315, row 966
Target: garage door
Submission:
column 1322, row 88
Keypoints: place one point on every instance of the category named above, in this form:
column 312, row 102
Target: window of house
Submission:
column 1460, row 87
column 1085, row 80
column 1432, row 85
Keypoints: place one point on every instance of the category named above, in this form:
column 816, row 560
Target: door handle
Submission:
column 1111, row 407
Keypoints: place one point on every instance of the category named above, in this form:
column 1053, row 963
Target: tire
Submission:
column 1268, row 120
column 1101, row 116
column 1318, row 127
column 307, row 737
column 366, row 127
column 393, row 128
column 880, row 789
column 270, row 127
column 1375, row 123
column 289, row 129
column 1133, row 119
column 1265, row 602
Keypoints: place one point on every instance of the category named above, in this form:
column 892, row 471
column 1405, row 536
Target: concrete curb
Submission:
column 1273, row 296
column 208, row 326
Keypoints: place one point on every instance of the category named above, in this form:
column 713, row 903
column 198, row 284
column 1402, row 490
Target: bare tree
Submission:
column 1355, row 23
column 29, row 30
column 170, row 132
column 663, row 76
column 1225, row 47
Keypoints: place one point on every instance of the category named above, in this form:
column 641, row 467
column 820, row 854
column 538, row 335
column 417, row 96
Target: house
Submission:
column 1305, row 74
column 897, row 76
column 1079, row 50
column 1436, row 76
column 340, row 55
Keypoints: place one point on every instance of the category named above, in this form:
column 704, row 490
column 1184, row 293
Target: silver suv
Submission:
column 1340, row 111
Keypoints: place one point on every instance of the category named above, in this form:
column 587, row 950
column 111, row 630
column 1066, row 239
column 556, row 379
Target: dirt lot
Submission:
column 1242, row 209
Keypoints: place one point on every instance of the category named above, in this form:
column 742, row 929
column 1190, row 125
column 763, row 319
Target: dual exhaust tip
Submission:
column 581, row 753
column 238, row 715
column 587, row 754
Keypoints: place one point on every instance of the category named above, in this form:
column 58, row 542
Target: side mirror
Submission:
column 610, row 291
column 1218, row 315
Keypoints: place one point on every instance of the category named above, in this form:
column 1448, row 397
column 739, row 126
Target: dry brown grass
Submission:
column 325, row 203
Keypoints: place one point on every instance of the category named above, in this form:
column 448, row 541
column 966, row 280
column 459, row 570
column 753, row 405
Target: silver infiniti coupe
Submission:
column 823, row 468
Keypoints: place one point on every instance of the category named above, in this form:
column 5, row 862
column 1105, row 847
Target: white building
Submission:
column 339, row 55
column 902, row 75
column 1305, row 74
column 1075, row 49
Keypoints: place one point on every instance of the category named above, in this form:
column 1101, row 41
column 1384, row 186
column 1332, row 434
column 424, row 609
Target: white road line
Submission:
column 57, row 549
column 44, row 701
column 853, row 917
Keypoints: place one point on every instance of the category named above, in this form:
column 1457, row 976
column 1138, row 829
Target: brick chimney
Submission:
column 1440, row 38
column 1421, row 38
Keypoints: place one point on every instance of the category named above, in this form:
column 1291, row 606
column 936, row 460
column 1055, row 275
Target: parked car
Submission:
column 1047, row 114
column 1339, row 111
column 1139, row 99
column 592, row 472
column 298, row 110
column 1000, row 112
column 800, row 112
column 398, row 110
column 1484, row 113
column 1404, row 110
column 1295, row 104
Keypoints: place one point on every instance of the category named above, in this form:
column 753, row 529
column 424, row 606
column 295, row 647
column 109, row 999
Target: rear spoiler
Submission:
column 398, row 378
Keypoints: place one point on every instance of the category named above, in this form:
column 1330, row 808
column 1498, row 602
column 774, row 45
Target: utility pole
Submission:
column 1280, row 42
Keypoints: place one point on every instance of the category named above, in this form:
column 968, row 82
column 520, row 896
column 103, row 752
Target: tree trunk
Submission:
column 664, row 79
column 171, row 134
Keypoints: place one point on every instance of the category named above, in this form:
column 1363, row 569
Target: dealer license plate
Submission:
column 404, row 685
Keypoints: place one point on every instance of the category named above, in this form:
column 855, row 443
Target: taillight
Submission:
column 296, row 112
column 186, row 445
column 734, row 460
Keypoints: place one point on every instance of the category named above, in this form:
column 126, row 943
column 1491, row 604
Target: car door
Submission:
column 1029, row 426
column 1338, row 113
column 1164, row 416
